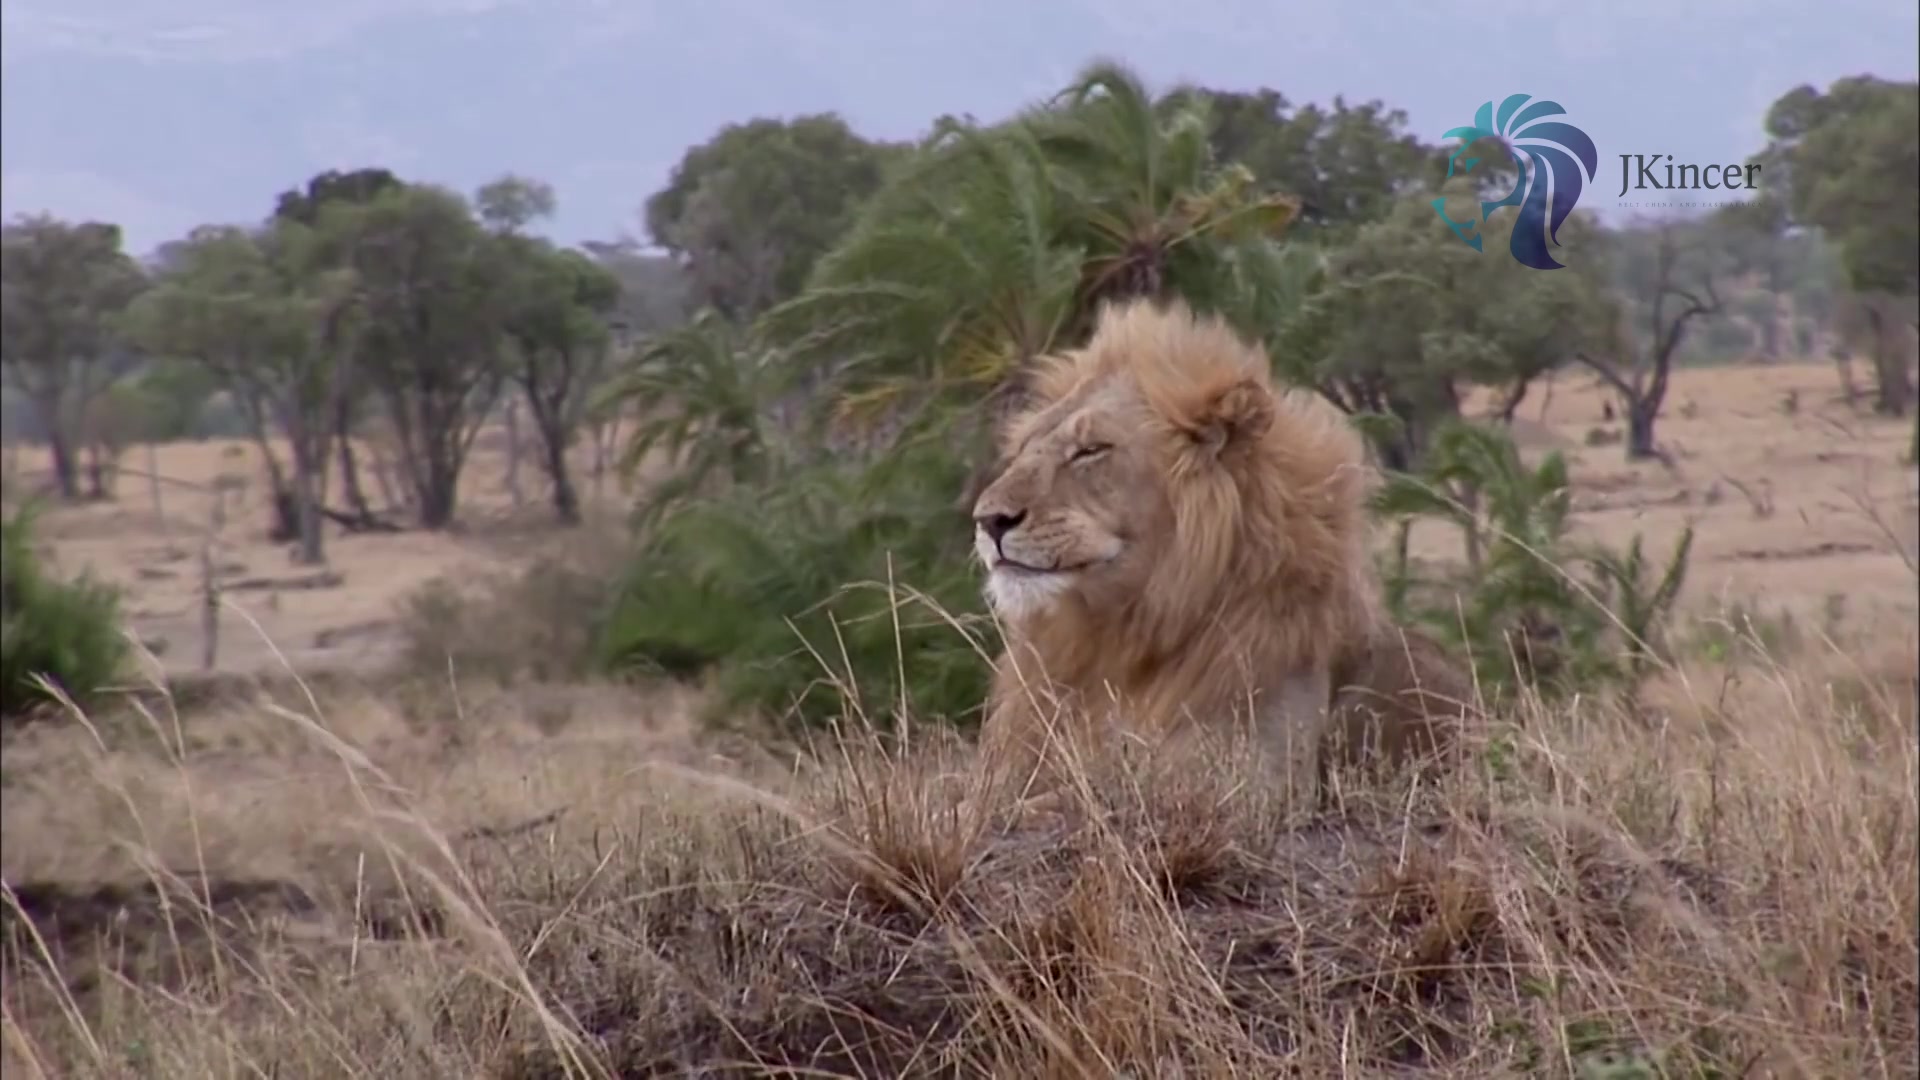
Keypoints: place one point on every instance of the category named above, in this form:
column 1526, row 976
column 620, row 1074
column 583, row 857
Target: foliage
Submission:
column 1640, row 608
column 655, row 294
column 997, row 244
column 992, row 246
column 333, row 188
column 1848, row 161
column 752, row 208
column 62, row 288
column 434, row 296
column 557, row 307
column 861, row 310
column 989, row 248
column 1518, row 610
column 1668, row 276
column 782, row 590
column 1347, row 164
column 539, row 623
column 174, row 394
column 1404, row 315
column 66, row 631
column 260, row 311
column 509, row 203
column 702, row 400
column 1851, row 164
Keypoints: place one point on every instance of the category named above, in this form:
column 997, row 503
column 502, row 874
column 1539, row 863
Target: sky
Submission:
column 165, row 114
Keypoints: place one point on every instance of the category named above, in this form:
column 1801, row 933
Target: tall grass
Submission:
column 1729, row 888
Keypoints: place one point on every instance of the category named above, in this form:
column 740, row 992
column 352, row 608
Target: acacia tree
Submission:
column 1755, row 232
column 306, row 206
column 750, row 210
column 558, row 304
column 62, row 285
column 256, row 309
column 1347, row 164
column 1404, row 316
column 434, row 298
column 1849, row 162
column 1666, row 274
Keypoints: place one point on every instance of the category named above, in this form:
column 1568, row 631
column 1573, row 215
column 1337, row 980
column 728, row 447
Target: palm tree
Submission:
column 702, row 398
column 952, row 281
column 1001, row 243
column 1143, row 194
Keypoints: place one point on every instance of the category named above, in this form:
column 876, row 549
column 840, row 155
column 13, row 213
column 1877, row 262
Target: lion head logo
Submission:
column 1548, row 179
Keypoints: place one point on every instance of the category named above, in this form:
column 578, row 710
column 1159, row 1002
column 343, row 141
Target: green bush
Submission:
column 781, row 594
column 67, row 631
column 1518, row 609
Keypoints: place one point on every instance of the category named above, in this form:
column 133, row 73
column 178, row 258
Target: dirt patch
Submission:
column 170, row 936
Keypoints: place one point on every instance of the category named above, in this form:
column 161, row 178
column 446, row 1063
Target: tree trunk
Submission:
column 1843, row 361
column 392, row 493
column 1896, row 387
column 1641, row 413
column 1516, row 396
column 66, row 470
column 308, row 493
column 356, row 495
column 438, row 491
column 566, row 502
column 513, row 454
column 550, row 423
column 1770, row 330
column 286, row 505
column 1890, row 369
column 153, row 487
column 97, row 469
column 598, row 470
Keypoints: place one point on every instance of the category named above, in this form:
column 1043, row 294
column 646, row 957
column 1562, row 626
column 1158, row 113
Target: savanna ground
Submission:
column 410, row 870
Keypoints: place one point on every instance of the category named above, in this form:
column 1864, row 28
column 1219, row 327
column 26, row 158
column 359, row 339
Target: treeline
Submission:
column 836, row 322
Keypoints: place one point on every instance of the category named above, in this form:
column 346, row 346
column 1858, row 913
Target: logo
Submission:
column 1547, row 174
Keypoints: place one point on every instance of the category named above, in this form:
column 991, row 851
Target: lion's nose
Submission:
column 999, row 525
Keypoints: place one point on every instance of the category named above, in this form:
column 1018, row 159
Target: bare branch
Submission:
column 1607, row 372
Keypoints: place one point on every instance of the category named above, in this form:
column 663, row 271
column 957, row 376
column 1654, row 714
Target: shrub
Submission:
column 67, row 631
column 539, row 623
column 781, row 594
column 1518, row 600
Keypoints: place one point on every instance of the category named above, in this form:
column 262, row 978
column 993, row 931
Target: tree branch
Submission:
column 1609, row 374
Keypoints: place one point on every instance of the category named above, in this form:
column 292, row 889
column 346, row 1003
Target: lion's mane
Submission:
column 1267, row 571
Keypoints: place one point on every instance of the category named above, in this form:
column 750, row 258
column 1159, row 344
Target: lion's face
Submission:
column 1079, row 507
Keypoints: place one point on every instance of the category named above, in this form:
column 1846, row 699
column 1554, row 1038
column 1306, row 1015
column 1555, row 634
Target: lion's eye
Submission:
column 1090, row 451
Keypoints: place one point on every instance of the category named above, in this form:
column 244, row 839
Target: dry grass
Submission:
column 329, row 888
column 1826, row 471
column 347, row 877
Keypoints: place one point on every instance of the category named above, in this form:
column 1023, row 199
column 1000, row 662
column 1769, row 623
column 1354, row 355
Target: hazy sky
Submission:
column 163, row 114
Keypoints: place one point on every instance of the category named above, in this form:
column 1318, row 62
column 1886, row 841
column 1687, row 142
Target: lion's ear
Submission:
column 1237, row 413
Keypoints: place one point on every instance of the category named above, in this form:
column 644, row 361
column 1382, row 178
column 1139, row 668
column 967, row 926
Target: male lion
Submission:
column 1169, row 538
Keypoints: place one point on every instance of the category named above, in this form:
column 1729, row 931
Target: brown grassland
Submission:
column 323, row 864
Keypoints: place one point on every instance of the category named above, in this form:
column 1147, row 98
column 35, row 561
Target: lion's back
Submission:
column 1399, row 697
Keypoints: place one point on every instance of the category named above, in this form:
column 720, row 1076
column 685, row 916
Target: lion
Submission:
column 1170, row 539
